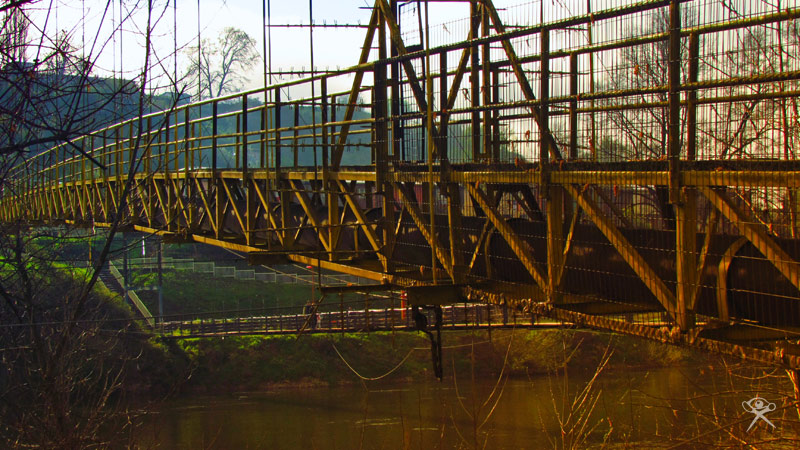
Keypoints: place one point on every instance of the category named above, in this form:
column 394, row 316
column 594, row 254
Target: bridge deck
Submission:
column 454, row 318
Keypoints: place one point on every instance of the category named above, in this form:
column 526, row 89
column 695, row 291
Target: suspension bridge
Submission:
column 597, row 167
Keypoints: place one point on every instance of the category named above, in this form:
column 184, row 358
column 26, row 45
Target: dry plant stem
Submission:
column 478, row 419
column 575, row 411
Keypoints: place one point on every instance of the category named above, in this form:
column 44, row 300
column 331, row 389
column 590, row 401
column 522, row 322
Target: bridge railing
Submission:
column 357, row 316
column 602, row 82
column 346, row 319
column 223, row 270
column 275, row 127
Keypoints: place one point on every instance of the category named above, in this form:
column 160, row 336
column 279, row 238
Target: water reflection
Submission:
column 643, row 408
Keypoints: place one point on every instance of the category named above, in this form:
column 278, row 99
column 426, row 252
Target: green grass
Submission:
column 189, row 292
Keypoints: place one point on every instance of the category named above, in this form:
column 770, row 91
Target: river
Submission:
column 638, row 408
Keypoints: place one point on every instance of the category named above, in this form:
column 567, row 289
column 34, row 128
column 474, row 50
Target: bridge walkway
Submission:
column 454, row 317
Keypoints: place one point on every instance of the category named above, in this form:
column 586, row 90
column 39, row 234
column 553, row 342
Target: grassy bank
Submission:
column 188, row 292
column 263, row 362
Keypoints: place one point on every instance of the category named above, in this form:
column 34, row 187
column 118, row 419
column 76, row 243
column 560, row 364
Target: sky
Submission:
column 94, row 25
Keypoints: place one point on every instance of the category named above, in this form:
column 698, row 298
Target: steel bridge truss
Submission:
column 580, row 168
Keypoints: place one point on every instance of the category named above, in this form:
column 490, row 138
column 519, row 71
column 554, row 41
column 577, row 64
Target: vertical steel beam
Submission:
column 117, row 167
column 454, row 230
column 397, row 131
column 486, row 88
column 218, row 210
column 569, row 206
column 147, row 202
column 379, row 113
column 686, row 215
column 247, row 181
column 263, row 163
column 686, row 257
column 555, row 194
column 169, row 209
column 243, row 133
column 544, row 98
column 107, row 192
column 238, row 142
column 175, row 146
column 573, row 106
column 323, row 107
column 474, row 82
column 684, row 201
column 674, row 100
column 332, row 198
column 277, row 150
column 495, row 114
column 691, row 97
column 381, row 133
column 295, row 136
column 188, row 148
column 134, row 213
column 213, row 137
column 443, row 151
column 83, row 193
column 165, row 144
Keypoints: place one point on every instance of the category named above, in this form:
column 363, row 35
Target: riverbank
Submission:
column 253, row 363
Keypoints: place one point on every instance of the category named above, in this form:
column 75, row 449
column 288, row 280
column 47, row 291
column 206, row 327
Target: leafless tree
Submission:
column 64, row 349
column 760, row 126
column 219, row 66
column 752, row 124
column 641, row 134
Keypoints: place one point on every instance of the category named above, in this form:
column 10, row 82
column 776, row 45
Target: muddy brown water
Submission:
column 633, row 408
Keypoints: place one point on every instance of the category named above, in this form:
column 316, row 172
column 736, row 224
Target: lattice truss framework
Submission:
column 616, row 168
